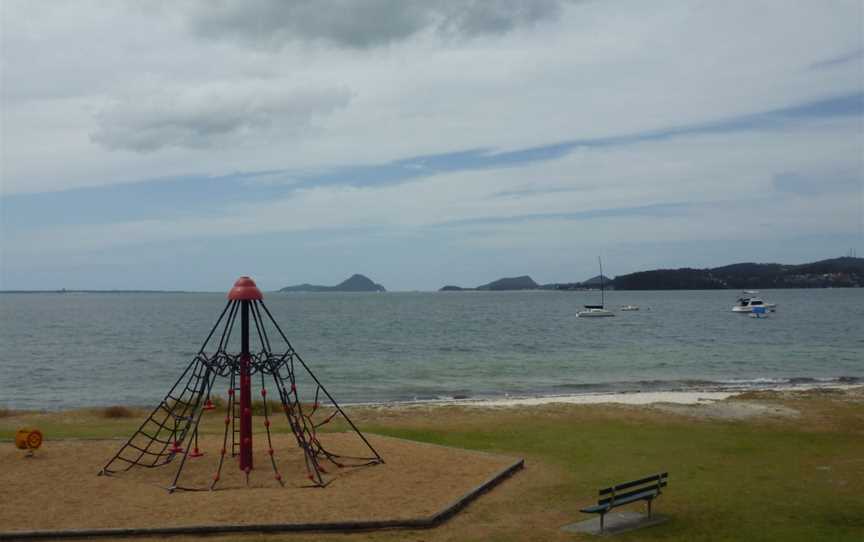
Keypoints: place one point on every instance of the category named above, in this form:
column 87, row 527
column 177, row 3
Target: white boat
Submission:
column 629, row 307
column 594, row 311
column 597, row 311
column 749, row 300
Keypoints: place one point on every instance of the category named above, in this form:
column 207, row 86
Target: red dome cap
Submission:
column 245, row 290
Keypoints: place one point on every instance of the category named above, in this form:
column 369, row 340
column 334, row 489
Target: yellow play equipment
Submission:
column 28, row 439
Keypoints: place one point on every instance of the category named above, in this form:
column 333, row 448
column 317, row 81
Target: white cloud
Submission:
column 215, row 115
column 73, row 70
column 728, row 179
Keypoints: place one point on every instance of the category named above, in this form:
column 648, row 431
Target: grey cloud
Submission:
column 540, row 191
column 805, row 184
column 482, row 17
column 366, row 24
column 210, row 117
column 853, row 56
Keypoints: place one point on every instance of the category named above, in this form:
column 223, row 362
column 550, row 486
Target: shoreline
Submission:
column 703, row 396
column 680, row 397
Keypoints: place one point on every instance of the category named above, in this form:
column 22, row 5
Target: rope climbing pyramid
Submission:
column 170, row 434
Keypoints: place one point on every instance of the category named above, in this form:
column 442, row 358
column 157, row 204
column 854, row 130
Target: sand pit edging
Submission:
column 347, row 526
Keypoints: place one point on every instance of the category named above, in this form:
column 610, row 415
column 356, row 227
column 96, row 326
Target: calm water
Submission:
column 68, row 350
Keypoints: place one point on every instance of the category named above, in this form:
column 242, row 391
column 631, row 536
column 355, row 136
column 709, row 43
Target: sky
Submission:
column 180, row 144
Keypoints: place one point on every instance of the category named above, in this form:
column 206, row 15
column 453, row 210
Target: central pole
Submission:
column 245, row 393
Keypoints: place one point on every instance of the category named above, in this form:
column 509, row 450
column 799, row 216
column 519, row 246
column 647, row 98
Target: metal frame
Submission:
column 171, row 429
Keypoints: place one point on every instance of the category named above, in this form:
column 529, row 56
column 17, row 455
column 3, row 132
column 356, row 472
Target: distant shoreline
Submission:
column 106, row 292
column 448, row 292
column 681, row 397
column 843, row 272
column 696, row 396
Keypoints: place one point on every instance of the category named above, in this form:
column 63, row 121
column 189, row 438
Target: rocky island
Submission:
column 355, row 283
column 507, row 283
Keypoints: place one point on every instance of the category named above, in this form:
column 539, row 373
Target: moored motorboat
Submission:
column 629, row 307
column 749, row 301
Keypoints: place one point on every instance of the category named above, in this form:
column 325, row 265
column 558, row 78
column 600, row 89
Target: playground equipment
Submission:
column 170, row 432
column 28, row 439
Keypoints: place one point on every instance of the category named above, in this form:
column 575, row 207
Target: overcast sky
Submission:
column 177, row 145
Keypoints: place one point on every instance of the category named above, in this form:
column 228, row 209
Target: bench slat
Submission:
column 627, row 485
column 594, row 509
column 630, row 496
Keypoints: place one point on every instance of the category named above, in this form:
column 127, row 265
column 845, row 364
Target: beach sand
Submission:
column 709, row 403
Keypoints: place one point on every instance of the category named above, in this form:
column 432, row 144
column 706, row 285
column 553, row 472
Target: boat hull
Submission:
column 770, row 307
column 594, row 313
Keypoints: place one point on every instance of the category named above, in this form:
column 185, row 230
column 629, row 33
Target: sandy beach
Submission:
column 623, row 398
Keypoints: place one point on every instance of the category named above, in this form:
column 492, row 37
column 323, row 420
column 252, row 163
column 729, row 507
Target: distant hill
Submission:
column 842, row 272
column 595, row 281
column 590, row 284
column 356, row 283
column 835, row 272
column 451, row 288
column 508, row 283
column 511, row 283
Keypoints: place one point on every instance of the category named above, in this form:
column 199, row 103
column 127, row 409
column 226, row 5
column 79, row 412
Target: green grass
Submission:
column 728, row 481
column 89, row 425
column 119, row 421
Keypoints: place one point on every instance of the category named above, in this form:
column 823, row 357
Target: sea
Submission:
column 70, row 350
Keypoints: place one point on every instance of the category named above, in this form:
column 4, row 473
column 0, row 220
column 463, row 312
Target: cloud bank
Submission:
column 157, row 118
column 363, row 25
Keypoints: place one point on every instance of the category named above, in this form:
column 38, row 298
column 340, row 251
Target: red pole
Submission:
column 245, row 393
column 245, row 291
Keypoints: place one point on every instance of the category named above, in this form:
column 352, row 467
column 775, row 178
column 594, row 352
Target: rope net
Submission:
column 169, row 435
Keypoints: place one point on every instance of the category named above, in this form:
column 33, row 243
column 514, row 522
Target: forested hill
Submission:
column 836, row 272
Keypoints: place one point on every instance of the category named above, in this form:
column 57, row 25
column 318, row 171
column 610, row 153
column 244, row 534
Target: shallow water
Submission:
column 69, row 350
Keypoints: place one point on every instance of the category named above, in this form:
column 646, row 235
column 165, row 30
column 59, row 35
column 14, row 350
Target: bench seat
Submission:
column 597, row 508
column 645, row 489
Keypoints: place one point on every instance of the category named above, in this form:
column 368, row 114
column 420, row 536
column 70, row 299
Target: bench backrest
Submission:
column 622, row 491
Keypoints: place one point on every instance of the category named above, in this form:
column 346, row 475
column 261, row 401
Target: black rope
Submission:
column 309, row 371
column 223, row 451
column 172, row 426
column 213, row 329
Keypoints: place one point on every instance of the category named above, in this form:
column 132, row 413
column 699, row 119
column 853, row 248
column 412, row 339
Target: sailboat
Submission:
column 597, row 311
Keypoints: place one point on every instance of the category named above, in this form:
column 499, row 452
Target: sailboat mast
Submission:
column 602, row 296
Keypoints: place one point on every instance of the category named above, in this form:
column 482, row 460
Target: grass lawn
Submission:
column 763, row 478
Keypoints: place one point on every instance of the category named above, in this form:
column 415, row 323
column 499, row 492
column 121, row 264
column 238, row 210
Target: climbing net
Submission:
column 170, row 433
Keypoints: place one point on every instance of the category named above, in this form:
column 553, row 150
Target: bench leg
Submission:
column 602, row 518
column 649, row 507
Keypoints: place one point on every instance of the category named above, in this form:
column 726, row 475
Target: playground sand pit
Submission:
column 59, row 487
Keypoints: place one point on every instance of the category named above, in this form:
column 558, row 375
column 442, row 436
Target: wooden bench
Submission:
column 644, row 489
